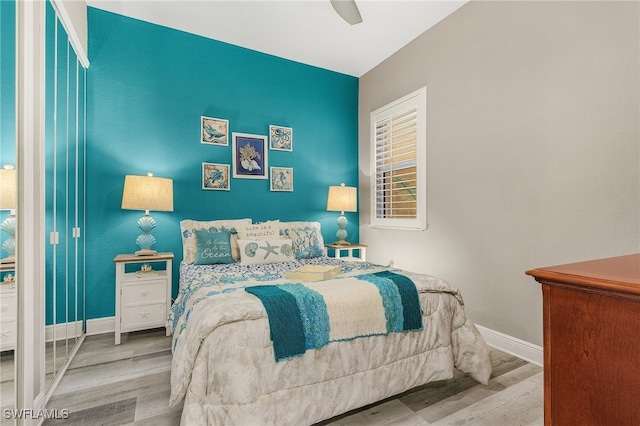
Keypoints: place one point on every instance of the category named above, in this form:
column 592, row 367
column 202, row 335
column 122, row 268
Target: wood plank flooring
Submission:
column 129, row 384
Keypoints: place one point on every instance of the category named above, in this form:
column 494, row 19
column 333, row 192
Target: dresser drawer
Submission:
column 152, row 291
column 7, row 306
column 143, row 316
column 7, row 335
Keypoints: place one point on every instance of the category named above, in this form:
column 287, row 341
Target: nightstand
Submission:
column 8, row 307
column 143, row 299
column 337, row 248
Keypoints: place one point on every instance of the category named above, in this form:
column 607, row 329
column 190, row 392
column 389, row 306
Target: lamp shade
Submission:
column 342, row 199
column 147, row 193
column 8, row 188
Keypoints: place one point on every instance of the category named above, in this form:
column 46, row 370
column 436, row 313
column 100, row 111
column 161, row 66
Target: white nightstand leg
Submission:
column 363, row 254
column 169, row 269
column 119, row 273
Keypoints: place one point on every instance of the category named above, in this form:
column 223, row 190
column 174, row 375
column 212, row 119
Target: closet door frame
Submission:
column 30, row 72
column 31, row 388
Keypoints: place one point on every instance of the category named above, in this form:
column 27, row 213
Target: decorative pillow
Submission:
column 256, row 252
column 259, row 231
column 190, row 245
column 213, row 247
column 306, row 238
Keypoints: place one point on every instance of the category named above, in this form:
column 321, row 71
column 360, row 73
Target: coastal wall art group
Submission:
column 249, row 156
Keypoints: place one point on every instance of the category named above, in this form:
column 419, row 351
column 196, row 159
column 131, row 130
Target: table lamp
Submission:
column 147, row 193
column 342, row 199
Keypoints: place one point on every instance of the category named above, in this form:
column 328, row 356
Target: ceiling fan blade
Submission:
column 348, row 10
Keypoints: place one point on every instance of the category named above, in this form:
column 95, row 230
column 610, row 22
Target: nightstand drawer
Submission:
column 152, row 291
column 7, row 307
column 143, row 276
column 143, row 316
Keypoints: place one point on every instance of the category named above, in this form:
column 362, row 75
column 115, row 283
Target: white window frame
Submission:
column 416, row 100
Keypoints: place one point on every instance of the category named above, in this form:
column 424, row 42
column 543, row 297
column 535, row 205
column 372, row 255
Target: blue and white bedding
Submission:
column 200, row 282
column 225, row 366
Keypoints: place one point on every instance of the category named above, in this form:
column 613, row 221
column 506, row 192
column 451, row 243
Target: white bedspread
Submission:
column 225, row 367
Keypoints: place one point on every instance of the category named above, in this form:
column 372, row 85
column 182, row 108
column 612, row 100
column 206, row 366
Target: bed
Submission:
column 233, row 362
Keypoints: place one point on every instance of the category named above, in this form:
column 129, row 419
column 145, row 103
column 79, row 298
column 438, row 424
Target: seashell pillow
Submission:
column 306, row 238
column 273, row 250
column 190, row 243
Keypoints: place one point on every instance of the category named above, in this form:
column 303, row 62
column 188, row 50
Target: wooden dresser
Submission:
column 591, row 341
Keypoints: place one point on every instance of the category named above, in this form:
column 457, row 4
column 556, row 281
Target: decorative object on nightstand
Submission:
column 8, row 202
column 143, row 296
column 147, row 193
column 342, row 199
column 362, row 250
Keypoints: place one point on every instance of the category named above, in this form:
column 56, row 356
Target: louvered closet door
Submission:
column 65, row 153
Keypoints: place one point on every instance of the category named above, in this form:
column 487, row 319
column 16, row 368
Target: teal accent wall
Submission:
column 7, row 94
column 147, row 88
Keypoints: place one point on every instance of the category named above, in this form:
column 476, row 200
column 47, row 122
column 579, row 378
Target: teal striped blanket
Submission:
column 310, row 315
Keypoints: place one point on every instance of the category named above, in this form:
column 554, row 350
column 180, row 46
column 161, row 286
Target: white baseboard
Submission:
column 67, row 330
column 512, row 345
column 101, row 325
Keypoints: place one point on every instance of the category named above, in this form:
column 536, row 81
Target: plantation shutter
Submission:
column 395, row 158
column 398, row 163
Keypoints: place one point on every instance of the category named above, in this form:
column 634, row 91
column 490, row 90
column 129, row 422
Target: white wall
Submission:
column 533, row 148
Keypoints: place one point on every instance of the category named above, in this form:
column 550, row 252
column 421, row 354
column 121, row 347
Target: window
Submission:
column 398, row 158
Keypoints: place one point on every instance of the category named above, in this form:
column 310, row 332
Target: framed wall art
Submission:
column 281, row 179
column 214, row 131
column 215, row 176
column 250, row 156
column 280, row 138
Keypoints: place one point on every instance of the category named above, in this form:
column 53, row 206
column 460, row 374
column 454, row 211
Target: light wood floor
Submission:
column 129, row 384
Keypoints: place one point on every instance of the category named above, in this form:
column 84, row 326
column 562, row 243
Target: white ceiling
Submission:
column 307, row 31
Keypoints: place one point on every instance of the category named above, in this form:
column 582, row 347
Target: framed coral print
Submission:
column 281, row 179
column 214, row 131
column 215, row 176
column 280, row 138
column 249, row 156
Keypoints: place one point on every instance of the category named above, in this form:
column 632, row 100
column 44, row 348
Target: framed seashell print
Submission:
column 214, row 131
column 280, row 138
column 215, row 176
column 250, row 156
column 281, row 179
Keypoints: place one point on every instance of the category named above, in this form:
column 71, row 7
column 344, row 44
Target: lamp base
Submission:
column 342, row 243
column 146, row 252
